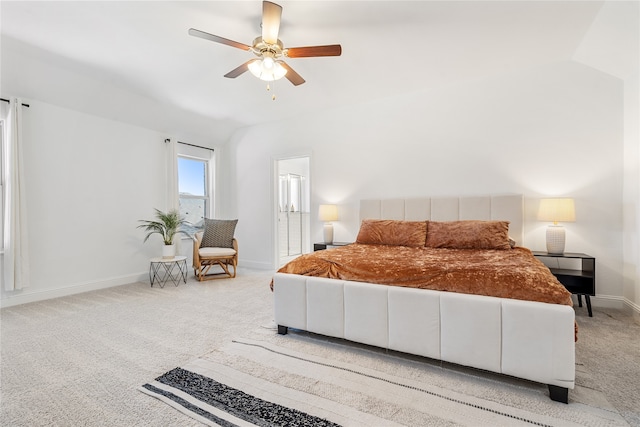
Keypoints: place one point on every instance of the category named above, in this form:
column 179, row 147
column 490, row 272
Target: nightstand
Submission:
column 323, row 246
column 578, row 282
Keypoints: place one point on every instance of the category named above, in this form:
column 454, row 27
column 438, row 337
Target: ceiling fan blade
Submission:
column 217, row 39
column 239, row 70
column 271, row 14
column 291, row 75
column 309, row 51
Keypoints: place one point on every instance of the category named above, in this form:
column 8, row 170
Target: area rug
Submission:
column 305, row 380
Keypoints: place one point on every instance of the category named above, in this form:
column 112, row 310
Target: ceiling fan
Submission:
column 269, row 49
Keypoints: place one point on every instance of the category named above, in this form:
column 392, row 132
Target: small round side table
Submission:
column 162, row 270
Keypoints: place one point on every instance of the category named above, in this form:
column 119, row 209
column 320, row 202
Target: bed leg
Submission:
column 282, row 330
column 559, row 394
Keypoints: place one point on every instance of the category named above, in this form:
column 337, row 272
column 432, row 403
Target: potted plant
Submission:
column 167, row 224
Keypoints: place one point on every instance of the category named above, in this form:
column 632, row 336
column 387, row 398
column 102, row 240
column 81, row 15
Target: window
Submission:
column 195, row 186
column 192, row 186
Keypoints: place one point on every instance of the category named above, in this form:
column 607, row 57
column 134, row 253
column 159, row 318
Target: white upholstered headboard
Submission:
column 505, row 208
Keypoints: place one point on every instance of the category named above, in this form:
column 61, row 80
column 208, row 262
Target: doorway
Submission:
column 293, row 208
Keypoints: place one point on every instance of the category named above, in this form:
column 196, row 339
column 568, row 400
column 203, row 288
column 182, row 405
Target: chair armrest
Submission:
column 197, row 239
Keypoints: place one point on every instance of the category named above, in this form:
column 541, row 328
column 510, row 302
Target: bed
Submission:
column 506, row 332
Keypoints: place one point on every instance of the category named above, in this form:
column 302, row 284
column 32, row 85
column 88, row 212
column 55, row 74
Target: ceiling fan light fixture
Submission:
column 267, row 69
column 267, row 63
column 278, row 70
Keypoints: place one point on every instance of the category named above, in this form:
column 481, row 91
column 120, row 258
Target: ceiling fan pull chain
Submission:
column 273, row 96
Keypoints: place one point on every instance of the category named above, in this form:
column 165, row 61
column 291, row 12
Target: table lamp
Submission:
column 556, row 210
column 328, row 213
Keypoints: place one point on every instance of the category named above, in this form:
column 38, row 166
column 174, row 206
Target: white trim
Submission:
column 275, row 176
column 632, row 306
column 23, row 298
column 209, row 170
column 3, row 179
column 256, row 265
column 605, row 301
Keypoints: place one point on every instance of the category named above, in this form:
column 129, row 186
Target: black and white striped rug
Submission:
column 225, row 405
column 259, row 383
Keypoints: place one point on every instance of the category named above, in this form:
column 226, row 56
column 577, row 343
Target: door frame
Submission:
column 275, row 176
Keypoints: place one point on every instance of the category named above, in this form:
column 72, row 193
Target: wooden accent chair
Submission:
column 207, row 256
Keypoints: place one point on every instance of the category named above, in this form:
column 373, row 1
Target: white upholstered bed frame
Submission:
column 529, row 340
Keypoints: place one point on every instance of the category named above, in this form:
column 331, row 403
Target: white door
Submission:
column 292, row 208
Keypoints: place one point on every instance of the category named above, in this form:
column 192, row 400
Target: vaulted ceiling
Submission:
column 137, row 59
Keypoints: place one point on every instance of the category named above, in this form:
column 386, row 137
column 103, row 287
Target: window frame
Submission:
column 205, row 156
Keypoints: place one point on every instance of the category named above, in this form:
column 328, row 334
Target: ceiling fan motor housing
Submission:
column 262, row 48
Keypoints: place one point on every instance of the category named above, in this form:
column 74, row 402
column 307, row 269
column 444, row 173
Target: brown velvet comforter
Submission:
column 511, row 273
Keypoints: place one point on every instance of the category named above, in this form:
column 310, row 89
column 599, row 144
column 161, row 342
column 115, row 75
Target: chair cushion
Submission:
column 215, row 252
column 218, row 233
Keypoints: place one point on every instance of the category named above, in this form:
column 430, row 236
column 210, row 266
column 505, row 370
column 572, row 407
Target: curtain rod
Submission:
column 192, row 145
column 6, row 100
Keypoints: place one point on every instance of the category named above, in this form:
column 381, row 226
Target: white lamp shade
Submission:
column 557, row 210
column 328, row 213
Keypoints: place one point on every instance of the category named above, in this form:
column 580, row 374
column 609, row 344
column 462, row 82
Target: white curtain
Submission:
column 16, row 250
column 173, row 199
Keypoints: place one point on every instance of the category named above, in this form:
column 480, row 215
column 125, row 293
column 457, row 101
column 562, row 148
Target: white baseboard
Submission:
column 255, row 265
column 612, row 301
column 26, row 295
column 633, row 308
column 606, row 301
column 632, row 305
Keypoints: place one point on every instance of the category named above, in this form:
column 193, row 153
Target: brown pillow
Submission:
column 468, row 235
column 392, row 232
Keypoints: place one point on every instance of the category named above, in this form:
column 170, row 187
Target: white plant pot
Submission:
column 168, row 251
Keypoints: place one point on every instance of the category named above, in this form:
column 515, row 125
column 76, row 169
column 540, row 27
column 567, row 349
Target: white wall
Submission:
column 631, row 198
column 555, row 130
column 31, row 73
column 552, row 131
column 612, row 45
column 88, row 181
column 95, row 165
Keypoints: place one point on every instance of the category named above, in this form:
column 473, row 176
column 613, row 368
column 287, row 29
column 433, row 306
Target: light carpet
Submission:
column 79, row 360
column 316, row 378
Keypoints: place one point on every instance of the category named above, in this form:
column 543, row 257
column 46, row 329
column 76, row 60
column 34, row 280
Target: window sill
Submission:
column 186, row 239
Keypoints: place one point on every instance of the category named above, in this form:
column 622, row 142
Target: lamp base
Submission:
column 328, row 233
column 555, row 239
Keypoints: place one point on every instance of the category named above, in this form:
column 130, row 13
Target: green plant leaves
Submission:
column 167, row 224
